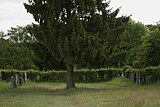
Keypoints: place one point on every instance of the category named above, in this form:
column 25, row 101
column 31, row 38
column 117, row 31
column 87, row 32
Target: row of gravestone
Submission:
column 138, row 77
column 17, row 79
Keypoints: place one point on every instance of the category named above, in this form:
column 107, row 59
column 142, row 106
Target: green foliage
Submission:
column 4, row 53
column 60, row 76
column 44, row 60
column 15, row 52
column 150, row 49
column 20, row 34
column 2, row 35
column 76, row 29
column 152, row 27
column 125, row 68
column 69, row 28
column 127, row 51
column 21, row 51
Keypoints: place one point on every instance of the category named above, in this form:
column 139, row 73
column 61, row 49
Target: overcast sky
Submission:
column 12, row 12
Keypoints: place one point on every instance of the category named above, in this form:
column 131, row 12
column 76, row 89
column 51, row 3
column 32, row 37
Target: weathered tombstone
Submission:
column 148, row 79
column 132, row 76
column 142, row 78
column 12, row 80
column 139, row 78
column 20, row 79
column 15, row 81
column 25, row 77
column 123, row 74
column 136, row 77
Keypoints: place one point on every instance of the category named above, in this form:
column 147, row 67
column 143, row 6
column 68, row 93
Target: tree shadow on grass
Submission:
column 59, row 89
column 54, row 92
column 51, row 92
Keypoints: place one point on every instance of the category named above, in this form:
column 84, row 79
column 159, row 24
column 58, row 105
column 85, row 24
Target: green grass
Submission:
column 116, row 93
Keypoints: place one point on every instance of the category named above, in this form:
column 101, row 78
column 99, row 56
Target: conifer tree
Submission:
column 73, row 30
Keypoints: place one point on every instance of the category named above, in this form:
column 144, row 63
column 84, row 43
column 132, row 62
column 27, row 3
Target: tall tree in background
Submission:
column 20, row 34
column 149, row 54
column 127, row 51
column 2, row 35
column 71, row 28
column 4, row 45
column 19, row 52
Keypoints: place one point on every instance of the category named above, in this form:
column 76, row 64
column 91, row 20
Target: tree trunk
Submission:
column 70, row 77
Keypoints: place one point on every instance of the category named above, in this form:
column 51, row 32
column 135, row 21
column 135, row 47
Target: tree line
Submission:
column 19, row 50
column 138, row 47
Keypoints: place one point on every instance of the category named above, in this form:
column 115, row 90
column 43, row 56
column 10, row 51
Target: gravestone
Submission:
column 20, row 79
column 148, row 79
column 132, row 76
column 25, row 77
column 123, row 74
column 139, row 78
column 12, row 80
column 15, row 81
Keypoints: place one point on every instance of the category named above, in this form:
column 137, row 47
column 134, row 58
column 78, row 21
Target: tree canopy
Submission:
column 131, row 42
column 150, row 49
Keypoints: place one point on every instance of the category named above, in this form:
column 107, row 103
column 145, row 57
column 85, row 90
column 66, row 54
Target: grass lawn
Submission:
column 115, row 93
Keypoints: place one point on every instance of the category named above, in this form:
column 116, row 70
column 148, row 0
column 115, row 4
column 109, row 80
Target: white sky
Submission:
column 12, row 12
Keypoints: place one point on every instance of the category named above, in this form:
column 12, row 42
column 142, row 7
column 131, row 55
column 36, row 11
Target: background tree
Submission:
column 4, row 44
column 19, row 53
column 152, row 27
column 68, row 27
column 126, row 52
column 14, row 53
column 2, row 35
column 20, row 34
column 150, row 49
column 29, row 52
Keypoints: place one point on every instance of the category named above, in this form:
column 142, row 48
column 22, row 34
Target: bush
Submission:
column 33, row 75
column 5, row 75
column 52, row 76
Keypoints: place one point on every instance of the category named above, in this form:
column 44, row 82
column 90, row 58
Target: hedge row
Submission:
column 140, row 76
column 60, row 76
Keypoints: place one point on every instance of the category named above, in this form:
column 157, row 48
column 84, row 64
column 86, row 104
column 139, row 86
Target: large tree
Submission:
column 73, row 30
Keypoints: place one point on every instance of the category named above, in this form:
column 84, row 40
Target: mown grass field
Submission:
column 115, row 93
